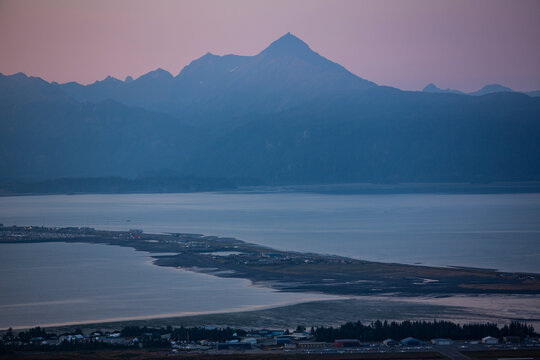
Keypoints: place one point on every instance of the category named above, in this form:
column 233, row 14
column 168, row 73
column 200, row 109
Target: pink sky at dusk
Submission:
column 461, row 44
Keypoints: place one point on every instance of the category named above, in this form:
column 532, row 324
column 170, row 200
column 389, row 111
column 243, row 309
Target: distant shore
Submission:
column 371, row 290
column 288, row 270
column 168, row 185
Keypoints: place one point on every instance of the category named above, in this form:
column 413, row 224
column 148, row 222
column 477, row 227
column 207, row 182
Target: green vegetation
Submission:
column 426, row 330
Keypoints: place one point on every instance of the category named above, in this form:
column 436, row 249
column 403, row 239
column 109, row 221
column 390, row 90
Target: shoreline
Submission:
column 331, row 312
column 360, row 188
column 419, row 291
column 500, row 309
column 288, row 271
column 162, row 317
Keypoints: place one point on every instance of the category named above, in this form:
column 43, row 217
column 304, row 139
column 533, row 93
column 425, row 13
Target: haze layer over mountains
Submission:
column 285, row 115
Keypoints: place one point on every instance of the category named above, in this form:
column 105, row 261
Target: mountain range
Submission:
column 284, row 74
column 487, row 89
column 284, row 116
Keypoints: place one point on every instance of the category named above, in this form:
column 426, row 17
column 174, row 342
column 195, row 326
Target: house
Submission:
column 390, row 342
column 114, row 340
column 311, row 345
column 346, row 343
column 250, row 340
column 489, row 340
column 70, row 338
column 410, row 341
column 50, row 342
column 36, row 339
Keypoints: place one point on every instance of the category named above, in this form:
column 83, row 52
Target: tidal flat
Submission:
column 288, row 270
column 366, row 290
column 73, row 283
column 338, row 312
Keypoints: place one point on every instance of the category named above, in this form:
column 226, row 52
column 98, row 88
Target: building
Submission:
column 489, row 340
column 113, row 340
column 250, row 340
column 37, row 340
column 282, row 340
column 71, row 338
column 347, row 343
column 512, row 339
column 311, row 345
column 410, row 341
column 441, row 341
column 390, row 342
column 297, row 337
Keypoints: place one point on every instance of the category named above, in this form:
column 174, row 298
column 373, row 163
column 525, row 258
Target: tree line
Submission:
column 426, row 330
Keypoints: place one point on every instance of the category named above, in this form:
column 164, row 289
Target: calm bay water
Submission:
column 55, row 283
column 499, row 231
column 73, row 283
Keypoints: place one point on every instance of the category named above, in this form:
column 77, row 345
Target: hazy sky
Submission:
column 460, row 44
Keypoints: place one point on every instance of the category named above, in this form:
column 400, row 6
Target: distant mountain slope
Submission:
column 286, row 115
column 19, row 89
column 487, row 89
column 46, row 134
column 385, row 135
column 491, row 88
column 535, row 93
column 432, row 88
column 148, row 91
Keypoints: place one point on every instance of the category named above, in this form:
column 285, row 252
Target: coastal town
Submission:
column 511, row 340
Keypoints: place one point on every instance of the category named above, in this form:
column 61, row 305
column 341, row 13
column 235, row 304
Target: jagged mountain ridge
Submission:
column 286, row 115
column 486, row 89
column 284, row 74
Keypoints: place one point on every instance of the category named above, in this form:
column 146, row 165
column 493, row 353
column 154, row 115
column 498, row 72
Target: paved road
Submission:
column 451, row 353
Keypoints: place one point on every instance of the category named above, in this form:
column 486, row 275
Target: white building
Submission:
column 489, row 340
column 250, row 340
